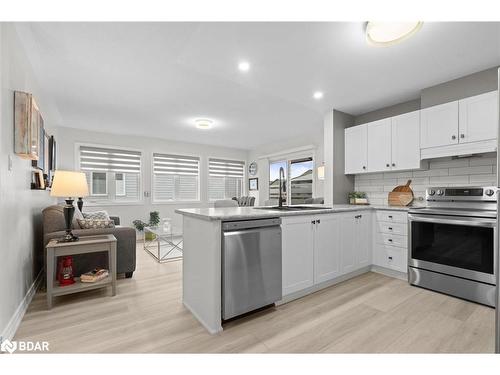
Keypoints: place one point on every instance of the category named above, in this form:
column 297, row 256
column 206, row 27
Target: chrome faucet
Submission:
column 282, row 186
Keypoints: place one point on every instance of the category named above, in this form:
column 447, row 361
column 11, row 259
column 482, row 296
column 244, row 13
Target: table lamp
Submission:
column 67, row 185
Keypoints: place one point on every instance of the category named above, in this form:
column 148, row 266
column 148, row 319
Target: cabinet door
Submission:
column 379, row 145
column 327, row 248
column 478, row 117
column 348, row 242
column 364, row 239
column 406, row 141
column 439, row 125
column 297, row 254
column 356, row 149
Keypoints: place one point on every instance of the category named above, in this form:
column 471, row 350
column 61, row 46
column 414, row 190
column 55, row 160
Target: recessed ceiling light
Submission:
column 318, row 95
column 389, row 33
column 203, row 123
column 244, row 66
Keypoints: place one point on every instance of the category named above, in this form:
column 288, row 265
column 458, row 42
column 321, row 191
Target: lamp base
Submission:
column 69, row 211
column 69, row 237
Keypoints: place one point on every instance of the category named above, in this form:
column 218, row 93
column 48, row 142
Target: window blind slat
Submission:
column 230, row 168
column 175, row 177
column 110, row 160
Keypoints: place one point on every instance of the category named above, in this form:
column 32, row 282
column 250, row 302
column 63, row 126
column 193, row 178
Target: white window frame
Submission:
column 244, row 178
column 114, row 202
column 152, row 180
column 92, row 194
column 288, row 157
column 124, row 179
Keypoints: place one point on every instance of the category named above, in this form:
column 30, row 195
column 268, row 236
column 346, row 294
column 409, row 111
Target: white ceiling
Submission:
column 154, row 78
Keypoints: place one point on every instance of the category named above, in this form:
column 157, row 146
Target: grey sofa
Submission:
column 54, row 227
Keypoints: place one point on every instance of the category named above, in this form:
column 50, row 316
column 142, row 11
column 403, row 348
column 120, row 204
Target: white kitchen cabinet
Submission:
column 327, row 248
column 297, row 253
column 356, row 235
column 391, row 240
column 405, row 141
column 356, row 149
column 478, row 117
column 439, row 125
column 379, row 145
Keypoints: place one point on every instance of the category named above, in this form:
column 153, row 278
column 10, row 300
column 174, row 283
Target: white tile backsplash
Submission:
column 442, row 172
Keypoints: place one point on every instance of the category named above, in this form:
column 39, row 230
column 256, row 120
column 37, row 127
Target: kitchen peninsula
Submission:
column 321, row 246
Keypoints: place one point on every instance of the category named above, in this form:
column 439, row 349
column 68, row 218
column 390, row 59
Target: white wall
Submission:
column 314, row 139
column 69, row 137
column 21, row 251
column 480, row 170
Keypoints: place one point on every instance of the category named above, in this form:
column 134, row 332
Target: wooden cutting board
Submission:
column 401, row 195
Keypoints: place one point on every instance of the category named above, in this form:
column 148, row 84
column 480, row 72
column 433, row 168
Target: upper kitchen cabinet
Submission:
column 356, row 149
column 379, row 145
column 465, row 126
column 439, row 125
column 405, row 137
column 477, row 120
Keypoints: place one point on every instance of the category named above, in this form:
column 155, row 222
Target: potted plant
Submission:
column 358, row 197
column 154, row 220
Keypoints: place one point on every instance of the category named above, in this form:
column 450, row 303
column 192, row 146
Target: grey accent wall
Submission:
column 463, row 87
column 337, row 184
column 393, row 110
column 21, row 251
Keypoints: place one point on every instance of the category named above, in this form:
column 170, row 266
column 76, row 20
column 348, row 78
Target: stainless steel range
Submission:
column 452, row 242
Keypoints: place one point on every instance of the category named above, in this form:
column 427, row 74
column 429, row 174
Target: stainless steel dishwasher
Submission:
column 251, row 265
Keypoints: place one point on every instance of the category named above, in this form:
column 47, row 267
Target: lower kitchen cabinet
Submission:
column 391, row 240
column 327, row 248
column 320, row 248
column 297, row 253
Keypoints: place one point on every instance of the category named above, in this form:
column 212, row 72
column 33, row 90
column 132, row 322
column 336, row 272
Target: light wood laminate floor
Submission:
column 371, row 313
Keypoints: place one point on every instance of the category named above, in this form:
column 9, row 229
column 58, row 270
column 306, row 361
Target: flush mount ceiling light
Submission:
column 203, row 123
column 389, row 33
column 318, row 95
column 244, row 66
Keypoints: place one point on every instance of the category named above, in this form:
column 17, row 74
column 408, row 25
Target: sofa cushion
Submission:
column 95, row 223
column 97, row 215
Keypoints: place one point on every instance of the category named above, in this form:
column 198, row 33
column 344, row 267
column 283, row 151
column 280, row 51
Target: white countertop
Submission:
column 241, row 213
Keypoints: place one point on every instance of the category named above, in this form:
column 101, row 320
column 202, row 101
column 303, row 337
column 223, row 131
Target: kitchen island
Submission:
column 306, row 246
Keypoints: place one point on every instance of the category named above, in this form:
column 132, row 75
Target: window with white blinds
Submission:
column 225, row 178
column 175, row 178
column 113, row 175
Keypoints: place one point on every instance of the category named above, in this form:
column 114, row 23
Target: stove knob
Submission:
column 440, row 192
column 432, row 192
column 489, row 192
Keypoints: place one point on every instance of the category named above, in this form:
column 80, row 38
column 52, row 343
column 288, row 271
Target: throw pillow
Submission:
column 97, row 215
column 95, row 223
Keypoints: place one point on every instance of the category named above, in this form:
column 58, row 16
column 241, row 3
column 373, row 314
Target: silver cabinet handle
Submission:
column 453, row 137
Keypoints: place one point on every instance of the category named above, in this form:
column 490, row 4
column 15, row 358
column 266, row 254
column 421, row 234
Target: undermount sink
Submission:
column 292, row 208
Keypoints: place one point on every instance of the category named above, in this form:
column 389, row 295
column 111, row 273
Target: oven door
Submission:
column 455, row 245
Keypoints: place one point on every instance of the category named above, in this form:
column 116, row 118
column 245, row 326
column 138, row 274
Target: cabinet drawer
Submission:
column 392, row 257
column 392, row 228
column 392, row 216
column 392, row 240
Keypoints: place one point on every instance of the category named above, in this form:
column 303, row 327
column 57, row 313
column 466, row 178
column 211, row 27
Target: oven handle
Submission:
column 459, row 220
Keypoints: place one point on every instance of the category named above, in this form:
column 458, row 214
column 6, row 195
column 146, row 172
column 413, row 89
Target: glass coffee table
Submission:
column 163, row 245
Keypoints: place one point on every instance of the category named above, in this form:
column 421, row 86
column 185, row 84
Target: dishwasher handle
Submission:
column 247, row 224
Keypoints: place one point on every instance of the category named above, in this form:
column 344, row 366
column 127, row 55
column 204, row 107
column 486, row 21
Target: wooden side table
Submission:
column 85, row 245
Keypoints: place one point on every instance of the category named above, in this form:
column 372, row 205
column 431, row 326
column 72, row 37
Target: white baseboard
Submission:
column 390, row 273
column 10, row 330
column 326, row 284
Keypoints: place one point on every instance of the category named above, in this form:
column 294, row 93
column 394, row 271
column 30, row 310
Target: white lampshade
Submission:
column 68, row 184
